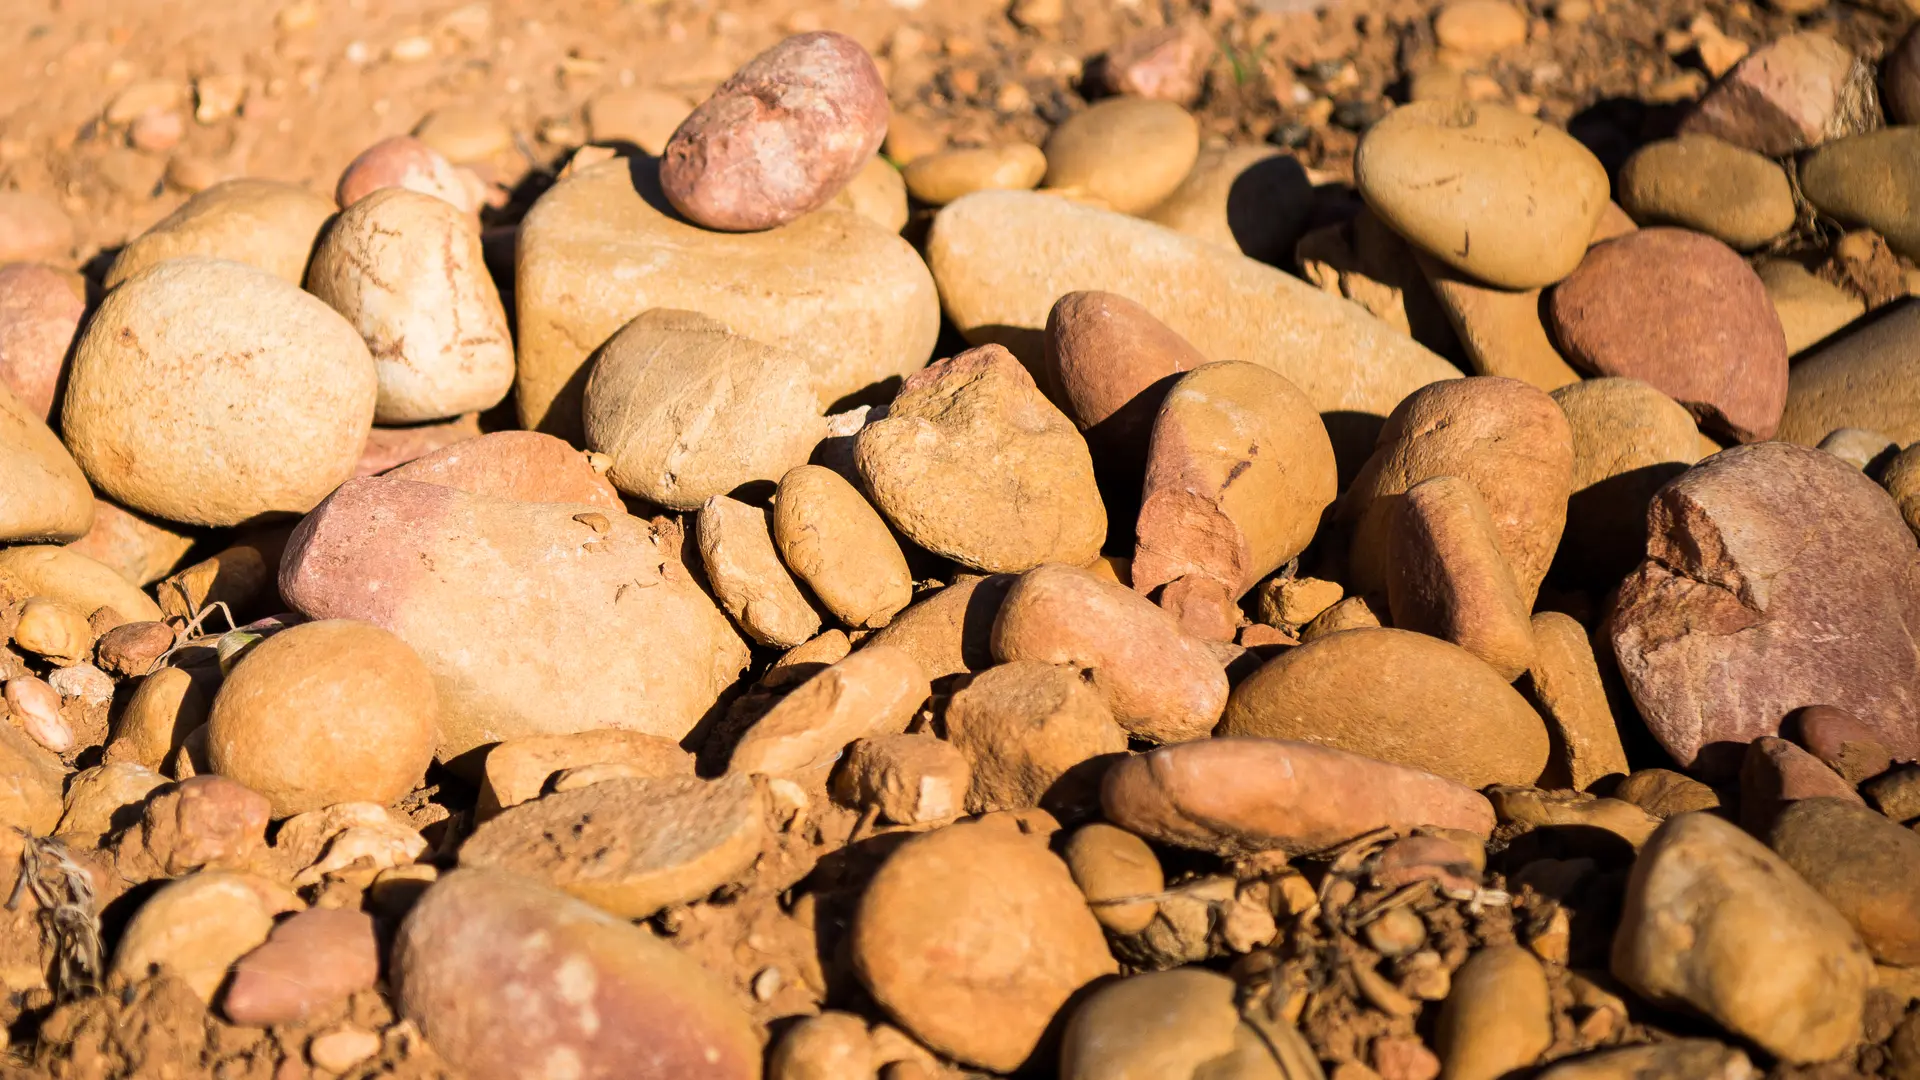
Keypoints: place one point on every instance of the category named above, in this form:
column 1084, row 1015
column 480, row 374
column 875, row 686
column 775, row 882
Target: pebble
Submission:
column 464, row 134
column 522, row 465
column 1497, row 1018
column 1573, row 700
column 1866, row 866
column 939, row 178
column 1774, row 513
column 1841, row 741
column 1480, row 27
column 633, row 845
column 40, row 311
column 1896, row 793
column 33, row 227
column 1152, row 1026
column 1250, row 199
column 407, row 163
column 1798, row 91
column 837, row 544
column 501, row 972
column 1704, row 183
column 105, row 799
column 1700, row 1058
column 341, row 1048
column 1127, row 153
column 928, row 944
column 600, row 248
column 1867, row 180
column 1033, row 734
column 780, row 137
column 1229, row 307
column 1701, row 894
column 1492, row 192
column 142, row 549
column 1640, row 304
column 1507, row 438
column 642, row 115
column 873, row 692
column 878, row 193
column 1535, row 808
column 325, row 712
column 831, row 1046
column 1861, row 448
column 73, row 579
column 1447, row 577
column 308, row 962
column 1857, row 378
column 202, row 823
column 198, row 926
column 31, row 793
column 53, row 631
column 266, row 224
column 1629, row 439
column 1500, row 329
column 1295, row 601
column 164, row 708
column 1110, row 864
column 1776, row 774
column 1243, row 795
column 1239, row 472
column 1664, row 793
column 1167, row 63
column 389, row 448
column 519, row 642
column 1159, row 682
column 746, row 575
column 688, row 410
column 913, row 779
column 48, row 498
column 949, row 630
column 167, row 420
column 1472, row 727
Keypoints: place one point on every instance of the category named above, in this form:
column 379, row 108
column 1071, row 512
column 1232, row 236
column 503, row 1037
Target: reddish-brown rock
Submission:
column 1166, row 63
column 1446, row 576
column 40, row 310
column 388, row 447
column 405, row 162
column 308, row 962
column 522, row 465
column 1034, row 733
column 950, row 631
column 204, row 823
column 780, row 138
column 1799, row 91
column 1239, row 796
column 873, row 692
column 1776, row 577
column 911, row 778
column 1839, row 739
column 1685, row 314
column 1776, row 774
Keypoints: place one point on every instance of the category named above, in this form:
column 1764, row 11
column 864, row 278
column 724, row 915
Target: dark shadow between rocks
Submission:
column 976, row 626
column 1024, row 342
column 1606, row 532
column 1267, row 209
column 1353, row 435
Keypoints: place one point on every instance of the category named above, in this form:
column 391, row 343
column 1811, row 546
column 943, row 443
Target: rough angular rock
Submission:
column 1166, row 63
column 1032, row 733
column 1573, row 701
column 911, row 778
column 928, row 942
column 1864, row 377
column 268, row 394
column 307, row 963
column 198, row 926
column 1509, row 439
column 1446, row 576
column 1790, row 577
column 1127, row 153
column 501, row 972
column 522, row 465
column 834, row 541
column 745, row 573
column 1038, row 503
column 1866, row 866
column 1166, row 1024
column 1238, row 475
column 1160, row 682
column 1399, row 697
column 1498, row 1016
column 1499, row 195
column 1810, row 308
column 519, row 769
column 950, row 632
column 1685, row 314
column 938, row 179
column 1629, row 439
column 265, row 224
column 1500, row 329
column 600, row 247
column 632, row 846
column 1704, row 183
column 688, row 410
column 1250, row 199
column 40, row 310
column 46, row 497
column 534, row 617
column 406, row 270
column 1798, row 91
column 1241, row 796
column 875, row 691
column 203, row 823
column 1701, row 894
column 780, row 137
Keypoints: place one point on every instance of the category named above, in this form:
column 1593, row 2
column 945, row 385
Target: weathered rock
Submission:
column 1777, row 774
column 938, row 179
column 1159, row 682
column 780, row 137
column 1573, row 701
column 1507, row 438
column 40, row 311
column 1664, row 793
column 308, row 963
column 532, row 620
column 1685, row 314
column 873, row 692
column 1398, row 697
column 143, row 549
column 1127, row 153
column 1112, row 867
column 1703, row 183
column 522, row 465
column 1810, row 308
column 1800, row 90
column 1489, row 191
column 1839, row 740
column 53, row 631
column 1240, row 796
column 688, row 410
column 1790, row 577
column 928, row 942
column 72, row 579
column 600, row 247
column 1629, row 439
column 1161, row 1024
column 1033, row 734
column 518, row 769
column 501, row 973
column 632, row 846
column 388, row 448
column 164, row 415
column 911, row 778
column 1352, row 613
column 1294, row 601
column 1701, row 894
column 1499, row 329
column 745, row 573
column 1536, row 808
column 1862, row 377
column 265, row 224
column 1238, row 475
column 406, row 270
column 1038, row 503
column 950, row 631
column 834, row 541
column 203, row 823
column 1702, row 1058
column 1498, row 1016
column 240, row 576
column 1867, row 867
column 1896, row 793
column 1447, row 577
column 198, row 926
column 407, row 163
column 1250, row 199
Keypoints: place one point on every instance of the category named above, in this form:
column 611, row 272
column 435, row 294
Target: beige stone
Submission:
column 938, row 179
column 950, row 630
column 266, row 224
column 165, row 707
column 834, row 541
column 1127, row 152
column 1161, row 1025
column 1498, row 1017
column 517, row 770
column 1500, row 329
column 1034, row 734
column 878, row 193
column 1701, row 1058
column 198, row 926
column 143, row 549
column 745, row 573
column 1573, row 701
column 1295, row 601
column 46, row 497
column 1811, row 309
column 1447, row 576
column 875, row 691
column 74, row 580
column 1629, row 439
column 913, row 779
column 1113, row 867
column 1702, row 183
column 642, row 115
column 1353, row 613
column 1863, row 377
column 103, row 800
column 1250, row 199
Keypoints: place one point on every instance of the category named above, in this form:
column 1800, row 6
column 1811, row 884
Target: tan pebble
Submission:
column 911, row 778
column 1128, row 152
column 878, row 193
column 1855, row 378
column 1447, row 576
column 141, row 548
column 1480, row 26
column 197, row 926
column 736, row 550
column 1866, row 866
column 1629, row 439
column 71, row 578
column 834, row 541
column 643, row 116
column 340, row 1049
column 50, row 499
column 1500, row 329
column 34, row 708
column 523, row 465
column 949, row 631
column 1573, row 700
column 1207, row 203
column 1702, row 1058
column 1497, row 1017
column 809, row 658
column 1295, row 601
column 1109, row 864
column 104, row 799
column 51, row 629
column 264, row 223
column 464, row 133
column 1159, row 1024
column 1701, row 182
column 1352, row 613
column 1034, row 734
column 875, row 691
column 1535, row 808
column 939, row 178
column 830, row 1046
column 165, row 706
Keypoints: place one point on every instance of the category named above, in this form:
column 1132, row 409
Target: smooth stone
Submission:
column 165, row 707
column 1701, row 895
column 1902, row 480
column 1029, row 731
column 309, row 962
column 875, row 691
column 1241, row 796
column 105, row 799
column 1791, row 577
column 878, row 193
column 266, row 224
column 1629, row 439
column 1447, row 577
column 1500, row 329
column 1478, row 27
column 1896, row 793
column 198, row 926
column 1664, row 793
column 30, row 782
column 1250, row 199
column 1115, row 869
column 1703, row 183
column 465, row 134
column 1862, row 377
column 1399, row 697
column 1160, row 1025
column 407, row 163
column 1696, row 1059
column 601, row 247
column 388, row 448
column 830, row 1046
column 1494, row 193
column 1776, row 774
column 938, row 179
column 40, row 312
column 1798, row 91
column 143, row 549
column 71, row 578
column 1128, row 153
column 950, row 631
column 1900, row 80
column 1498, row 1016
column 1841, row 741
column 1536, row 808
column 522, row 465
column 1866, row 866
column 1861, row 448
column 746, row 575
column 837, row 544
column 1810, row 308
column 46, row 497
column 1868, row 180
column 1573, row 701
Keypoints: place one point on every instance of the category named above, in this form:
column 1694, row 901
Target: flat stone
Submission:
column 308, row 963
column 873, row 692
column 1704, row 183
column 833, row 539
column 950, row 630
column 517, row 770
column 911, row 778
column 1841, row 741
column 745, row 573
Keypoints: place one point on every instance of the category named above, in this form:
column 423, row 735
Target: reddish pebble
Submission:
column 1167, row 63
column 1799, row 91
column 391, row 447
column 405, row 162
column 1777, row 773
column 40, row 310
column 308, row 962
column 1838, row 738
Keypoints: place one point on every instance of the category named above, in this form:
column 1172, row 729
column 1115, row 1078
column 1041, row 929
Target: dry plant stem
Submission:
column 69, row 926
